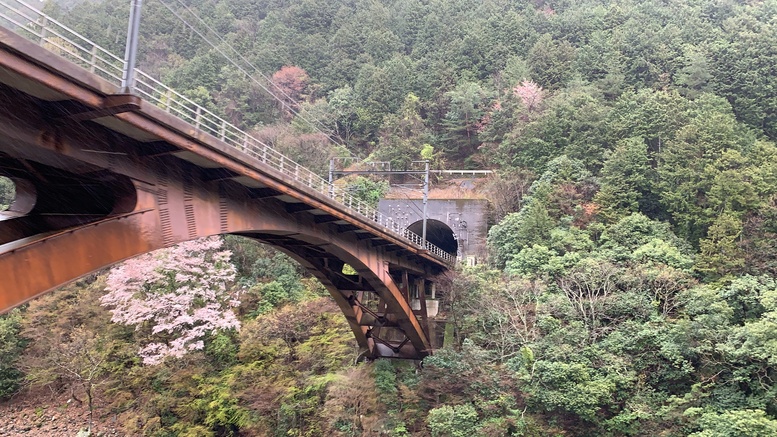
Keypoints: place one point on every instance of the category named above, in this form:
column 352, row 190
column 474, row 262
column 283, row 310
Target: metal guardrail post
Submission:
column 426, row 201
column 93, row 63
column 168, row 101
column 43, row 23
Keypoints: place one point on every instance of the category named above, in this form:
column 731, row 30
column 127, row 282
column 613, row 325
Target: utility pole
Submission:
column 131, row 52
column 426, row 200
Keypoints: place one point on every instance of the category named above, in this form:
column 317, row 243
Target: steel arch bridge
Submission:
column 102, row 176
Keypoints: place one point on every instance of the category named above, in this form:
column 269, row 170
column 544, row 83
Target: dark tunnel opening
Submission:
column 437, row 233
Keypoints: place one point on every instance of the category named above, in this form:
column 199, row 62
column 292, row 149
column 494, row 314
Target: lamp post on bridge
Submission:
column 131, row 51
column 426, row 199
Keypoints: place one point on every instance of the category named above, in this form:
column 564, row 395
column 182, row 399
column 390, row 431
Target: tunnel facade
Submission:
column 463, row 220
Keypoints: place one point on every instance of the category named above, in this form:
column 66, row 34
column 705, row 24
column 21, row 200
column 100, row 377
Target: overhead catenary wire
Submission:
column 412, row 203
column 251, row 67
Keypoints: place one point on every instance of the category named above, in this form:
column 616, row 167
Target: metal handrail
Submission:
column 47, row 32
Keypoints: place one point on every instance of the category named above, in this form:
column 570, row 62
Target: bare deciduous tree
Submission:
column 76, row 358
column 588, row 289
column 506, row 192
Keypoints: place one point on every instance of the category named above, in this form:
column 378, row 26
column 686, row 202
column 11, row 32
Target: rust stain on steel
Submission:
column 47, row 260
column 52, row 80
column 111, row 105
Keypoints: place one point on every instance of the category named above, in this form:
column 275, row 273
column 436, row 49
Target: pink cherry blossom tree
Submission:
column 181, row 293
column 530, row 94
column 291, row 83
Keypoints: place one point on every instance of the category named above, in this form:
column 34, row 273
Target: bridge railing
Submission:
column 47, row 32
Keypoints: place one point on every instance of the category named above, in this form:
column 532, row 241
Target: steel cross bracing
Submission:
column 38, row 27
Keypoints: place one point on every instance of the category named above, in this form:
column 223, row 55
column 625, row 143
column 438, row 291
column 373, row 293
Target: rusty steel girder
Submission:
column 101, row 178
column 167, row 213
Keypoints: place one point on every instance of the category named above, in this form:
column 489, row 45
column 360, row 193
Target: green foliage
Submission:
column 12, row 345
column 454, row 421
column 751, row 346
column 274, row 294
column 530, row 226
column 626, row 181
column 257, row 263
column 736, row 423
column 719, row 254
column 555, row 191
column 571, row 123
column 222, row 349
column 461, row 122
column 427, row 152
column 219, row 405
column 739, row 59
column 659, row 251
column 536, row 260
column 550, row 61
column 7, row 192
column 688, row 164
column 386, row 382
column 380, row 91
column 402, row 135
column 571, row 387
column 367, row 190
column 636, row 230
column 744, row 295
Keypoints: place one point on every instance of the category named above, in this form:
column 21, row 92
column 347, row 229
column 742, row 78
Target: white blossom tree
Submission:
column 182, row 293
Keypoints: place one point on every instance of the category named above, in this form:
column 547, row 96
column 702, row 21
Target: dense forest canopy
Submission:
column 630, row 287
column 390, row 76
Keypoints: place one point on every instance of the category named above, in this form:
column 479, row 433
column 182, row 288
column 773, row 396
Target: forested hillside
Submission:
column 630, row 287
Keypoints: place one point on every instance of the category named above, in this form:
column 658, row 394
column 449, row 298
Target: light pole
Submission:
column 426, row 200
column 131, row 52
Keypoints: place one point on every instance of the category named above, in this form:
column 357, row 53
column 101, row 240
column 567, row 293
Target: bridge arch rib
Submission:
column 375, row 305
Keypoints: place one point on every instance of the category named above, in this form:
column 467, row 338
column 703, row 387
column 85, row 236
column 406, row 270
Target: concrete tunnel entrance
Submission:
column 437, row 233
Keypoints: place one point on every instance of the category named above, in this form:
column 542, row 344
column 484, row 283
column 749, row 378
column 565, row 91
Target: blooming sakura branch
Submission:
column 181, row 294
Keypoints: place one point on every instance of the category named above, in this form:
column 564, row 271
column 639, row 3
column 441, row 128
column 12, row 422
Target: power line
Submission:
column 282, row 91
column 252, row 67
column 389, row 173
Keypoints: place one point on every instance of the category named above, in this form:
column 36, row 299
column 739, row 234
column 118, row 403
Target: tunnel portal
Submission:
column 437, row 233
